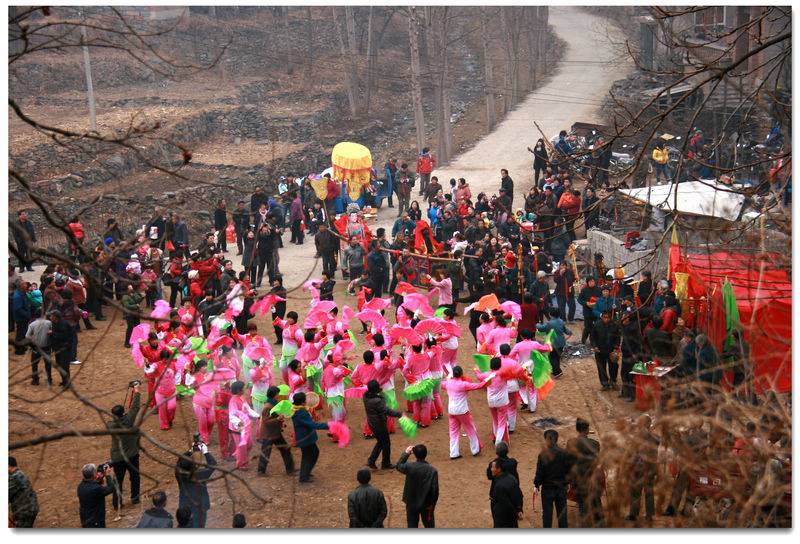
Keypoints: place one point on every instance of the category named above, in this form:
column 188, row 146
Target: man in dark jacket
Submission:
column 192, row 479
column 509, row 463
column 366, row 505
column 305, row 436
column 421, row 490
column 631, row 352
column 327, row 246
column 506, row 496
column 156, row 517
column 605, row 339
column 125, row 448
column 61, row 339
column 256, row 200
column 272, row 435
column 552, row 467
column 180, row 237
column 22, row 230
column 220, row 224
column 21, row 310
column 241, row 222
column 378, row 270
column 507, row 184
column 377, row 412
column 92, row 495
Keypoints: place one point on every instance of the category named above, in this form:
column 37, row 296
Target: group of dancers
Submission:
column 229, row 375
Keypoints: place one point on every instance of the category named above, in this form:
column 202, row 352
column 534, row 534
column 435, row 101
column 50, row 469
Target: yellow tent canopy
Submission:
column 353, row 162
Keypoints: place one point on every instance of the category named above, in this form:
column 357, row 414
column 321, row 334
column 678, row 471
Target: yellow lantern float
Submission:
column 352, row 163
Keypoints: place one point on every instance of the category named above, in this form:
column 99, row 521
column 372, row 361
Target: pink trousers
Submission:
column 424, row 406
column 205, row 421
column 243, row 443
column 513, row 399
column 449, row 359
column 456, row 424
column 437, row 409
column 166, row 409
column 500, row 424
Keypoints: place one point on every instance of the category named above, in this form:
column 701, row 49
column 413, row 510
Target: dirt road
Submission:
column 573, row 92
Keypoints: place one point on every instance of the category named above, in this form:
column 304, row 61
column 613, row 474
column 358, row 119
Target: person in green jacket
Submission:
column 130, row 303
column 125, row 448
column 23, row 505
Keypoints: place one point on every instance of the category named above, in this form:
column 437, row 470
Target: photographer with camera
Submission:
column 92, row 494
column 192, row 480
column 125, row 447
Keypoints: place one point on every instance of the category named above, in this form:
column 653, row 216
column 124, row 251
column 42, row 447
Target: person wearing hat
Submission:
column 305, row 436
column 540, row 290
column 605, row 302
column 112, row 230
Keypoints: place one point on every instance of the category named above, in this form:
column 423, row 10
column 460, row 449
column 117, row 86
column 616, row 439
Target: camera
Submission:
column 134, row 383
column 101, row 471
column 197, row 442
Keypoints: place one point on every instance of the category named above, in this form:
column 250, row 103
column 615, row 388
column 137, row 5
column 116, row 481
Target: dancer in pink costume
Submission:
column 164, row 375
column 292, row 340
column 297, row 378
column 449, row 344
column 333, row 385
column 309, row 354
column 436, row 372
column 521, row 352
column 361, row 376
column 416, row 369
column 227, row 359
column 199, row 379
column 498, row 336
column 252, row 337
column 482, row 333
column 513, row 372
column 459, row 416
column 497, row 395
column 261, row 377
column 222, row 397
column 240, row 425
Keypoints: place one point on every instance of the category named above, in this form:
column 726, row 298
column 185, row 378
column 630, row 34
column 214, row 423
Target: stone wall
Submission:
column 613, row 250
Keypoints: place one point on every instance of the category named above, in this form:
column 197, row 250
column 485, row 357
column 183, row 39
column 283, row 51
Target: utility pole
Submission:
column 89, row 87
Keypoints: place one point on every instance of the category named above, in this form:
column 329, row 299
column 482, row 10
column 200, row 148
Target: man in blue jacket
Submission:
column 22, row 314
column 305, row 436
column 605, row 303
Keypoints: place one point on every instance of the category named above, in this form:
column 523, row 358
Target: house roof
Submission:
column 694, row 197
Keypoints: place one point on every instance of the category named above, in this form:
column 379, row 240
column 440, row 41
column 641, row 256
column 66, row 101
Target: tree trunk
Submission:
column 433, row 36
column 513, row 19
column 350, row 21
column 289, row 63
column 310, row 43
column 542, row 35
column 504, row 32
column 531, row 21
column 352, row 90
column 370, row 59
column 416, row 77
column 488, row 82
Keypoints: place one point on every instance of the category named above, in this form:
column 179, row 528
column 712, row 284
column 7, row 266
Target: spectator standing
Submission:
column 125, row 448
column 156, row 517
column 403, row 184
column 378, row 269
column 92, row 495
column 377, row 413
column 552, row 467
column 366, row 505
column 241, row 222
column 421, row 489
column 587, row 476
column 22, row 314
column 506, row 496
column 39, row 334
column 23, row 505
column 61, row 339
column 296, row 215
column 192, row 480
column 220, row 224
column 644, row 470
column 605, row 339
column 327, row 246
column 507, row 184
column 130, row 303
column 24, row 235
column 425, row 165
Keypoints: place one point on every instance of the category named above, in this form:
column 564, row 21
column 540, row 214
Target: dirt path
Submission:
column 574, row 92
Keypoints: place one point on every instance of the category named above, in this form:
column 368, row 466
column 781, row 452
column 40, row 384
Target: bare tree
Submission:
column 349, row 69
column 416, row 76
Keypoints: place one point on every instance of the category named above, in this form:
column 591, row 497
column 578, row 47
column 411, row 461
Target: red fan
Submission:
column 215, row 340
column 488, row 302
column 323, row 306
column 315, row 317
column 416, row 301
column 355, row 392
column 397, row 332
column 254, row 352
column 340, row 432
column 403, row 288
column 377, row 304
column 429, row 327
column 451, row 328
column 371, row 315
column 265, row 304
column 513, row 309
column 308, row 286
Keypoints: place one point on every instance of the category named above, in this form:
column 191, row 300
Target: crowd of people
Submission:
column 203, row 342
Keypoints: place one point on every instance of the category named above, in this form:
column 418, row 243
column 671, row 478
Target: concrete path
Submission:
column 573, row 92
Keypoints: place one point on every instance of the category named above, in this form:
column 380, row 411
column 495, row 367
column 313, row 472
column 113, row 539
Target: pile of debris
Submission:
column 575, row 350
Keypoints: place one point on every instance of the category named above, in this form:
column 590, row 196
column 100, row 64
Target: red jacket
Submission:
column 425, row 163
